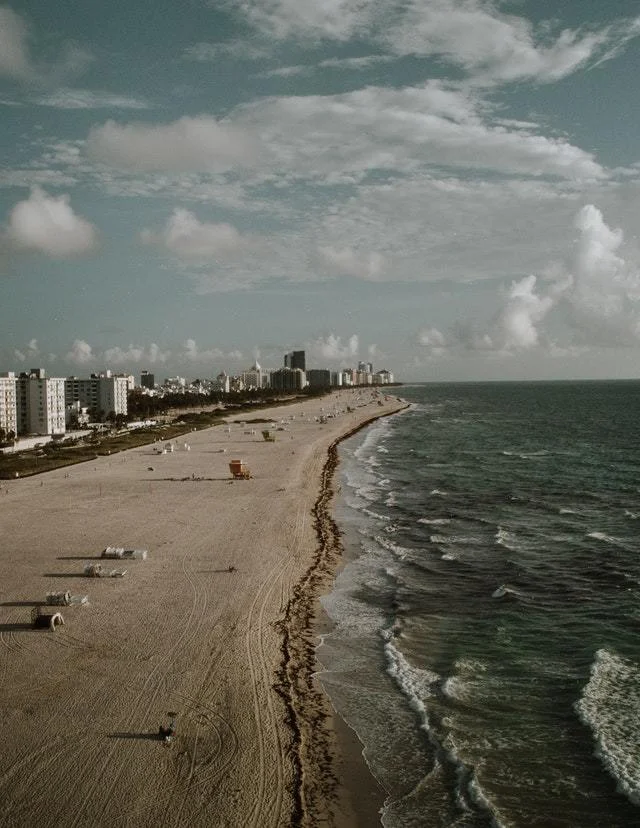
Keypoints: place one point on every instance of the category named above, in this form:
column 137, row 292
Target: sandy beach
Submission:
column 214, row 625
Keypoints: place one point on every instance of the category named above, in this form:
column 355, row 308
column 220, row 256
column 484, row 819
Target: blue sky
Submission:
column 447, row 188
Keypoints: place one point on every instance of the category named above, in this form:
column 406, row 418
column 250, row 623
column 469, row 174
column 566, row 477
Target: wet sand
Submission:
column 215, row 625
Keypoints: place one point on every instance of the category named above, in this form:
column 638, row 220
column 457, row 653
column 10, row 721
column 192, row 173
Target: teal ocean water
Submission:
column 486, row 647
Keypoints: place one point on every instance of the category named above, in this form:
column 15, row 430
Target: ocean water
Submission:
column 486, row 641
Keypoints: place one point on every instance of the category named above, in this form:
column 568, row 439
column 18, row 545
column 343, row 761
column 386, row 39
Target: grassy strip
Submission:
column 57, row 455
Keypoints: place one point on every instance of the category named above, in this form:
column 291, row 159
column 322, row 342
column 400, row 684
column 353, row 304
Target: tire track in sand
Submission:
column 142, row 704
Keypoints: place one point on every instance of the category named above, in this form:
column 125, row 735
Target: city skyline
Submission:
column 447, row 189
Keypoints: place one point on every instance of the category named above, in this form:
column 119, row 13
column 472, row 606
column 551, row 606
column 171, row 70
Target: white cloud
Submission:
column 432, row 340
column 31, row 351
column 403, row 130
column 189, row 238
column 188, row 144
column 49, row 225
column 348, row 262
column 81, row 353
column 473, row 34
column 194, row 354
column 335, row 19
column 88, row 99
column 15, row 60
column 604, row 297
column 517, row 323
column 495, row 46
column 135, row 354
column 599, row 297
column 332, row 348
column 240, row 49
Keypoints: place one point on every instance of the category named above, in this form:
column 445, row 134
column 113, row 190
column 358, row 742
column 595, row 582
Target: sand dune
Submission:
column 206, row 627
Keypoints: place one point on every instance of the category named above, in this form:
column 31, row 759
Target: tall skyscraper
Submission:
column 295, row 359
column 147, row 380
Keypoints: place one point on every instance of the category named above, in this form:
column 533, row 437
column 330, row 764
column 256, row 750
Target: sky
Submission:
column 449, row 189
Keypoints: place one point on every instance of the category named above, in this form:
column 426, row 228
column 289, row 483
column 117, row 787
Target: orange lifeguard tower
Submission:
column 239, row 471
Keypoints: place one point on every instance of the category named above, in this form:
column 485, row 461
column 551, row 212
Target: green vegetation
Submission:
column 59, row 453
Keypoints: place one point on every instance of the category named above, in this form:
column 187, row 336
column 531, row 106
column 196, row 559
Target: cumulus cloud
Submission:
column 192, row 353
column 332, row 348
column 517, row 323
column 432, row 340
column 190, row 238
column 81, row 353
column 49, row 225
column 135, row 354
column 599, row 296
column 186, row 145
column 346, row 261
column 31, row 351
column 604, row 297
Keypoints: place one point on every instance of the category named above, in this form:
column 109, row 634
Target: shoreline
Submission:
column 322, row 739
column 196, row 627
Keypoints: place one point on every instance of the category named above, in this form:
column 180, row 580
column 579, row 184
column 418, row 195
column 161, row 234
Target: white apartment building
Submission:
column 255, row 377
column 40, row 403
column 8, row 403
column 103, row 394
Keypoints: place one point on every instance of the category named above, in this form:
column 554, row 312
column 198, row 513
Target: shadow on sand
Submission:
column 79, row 558
column 23, row 604
column 21, row 626
column 154, row 737
column 64, row 574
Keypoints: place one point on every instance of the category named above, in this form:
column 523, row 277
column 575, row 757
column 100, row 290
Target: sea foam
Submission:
column 610, row 706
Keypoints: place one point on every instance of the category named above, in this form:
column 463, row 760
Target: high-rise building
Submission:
column 295, row 359
column 103, row 394
column 8, row 405
column 40, row 403
column 147, row 380
column 288, row 379
column 319, row 378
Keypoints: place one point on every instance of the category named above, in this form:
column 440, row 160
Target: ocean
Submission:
column 486, row 623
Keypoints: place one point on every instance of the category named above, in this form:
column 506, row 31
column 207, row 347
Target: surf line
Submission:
column 314, row 783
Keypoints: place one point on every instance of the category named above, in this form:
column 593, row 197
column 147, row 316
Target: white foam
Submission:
column 437, row 493
column 610, row 706
column 601, row 536
column 416, row 684
column 505, row 538
column 434, row 521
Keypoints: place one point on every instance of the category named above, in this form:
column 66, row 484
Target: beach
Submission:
column 214, row 626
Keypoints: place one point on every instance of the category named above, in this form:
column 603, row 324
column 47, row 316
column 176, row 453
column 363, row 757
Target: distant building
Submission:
column 295, row 359
column 365, row 367
column 8, row 403
column 383, row 377
column 288, row 379
column 40, row 403
column 319, row 378
column 255, row 377
column 147, row 380
column 221, row 383
column 103, row 394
